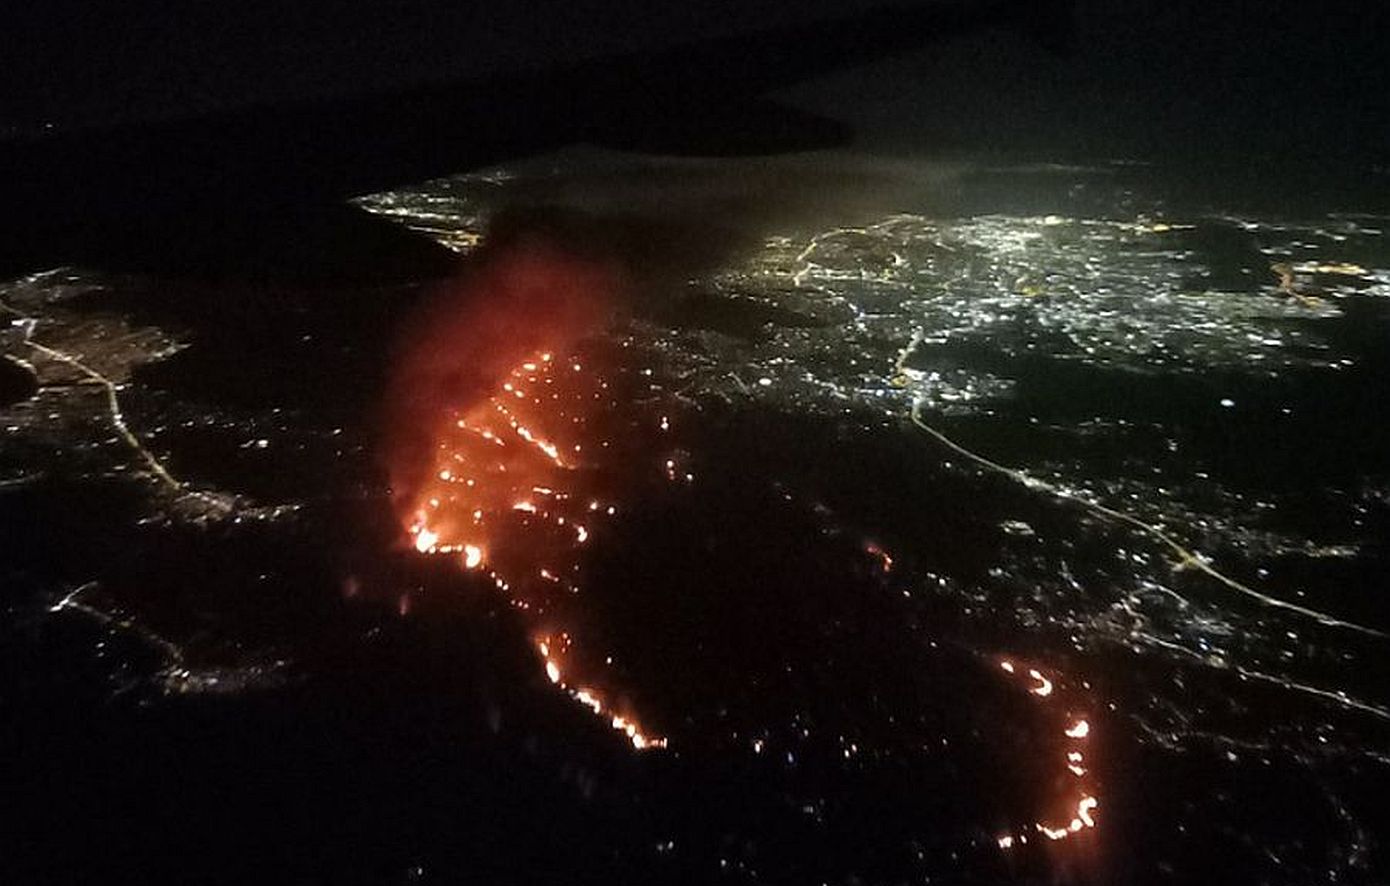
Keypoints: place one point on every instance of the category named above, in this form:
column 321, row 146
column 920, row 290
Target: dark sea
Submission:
column 906, row 522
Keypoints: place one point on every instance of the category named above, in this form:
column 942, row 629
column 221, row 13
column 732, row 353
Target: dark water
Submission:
column 1149, row 491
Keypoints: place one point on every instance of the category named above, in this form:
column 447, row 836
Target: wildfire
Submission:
column 497, row 476
column 497, row 432
column 1077, row 731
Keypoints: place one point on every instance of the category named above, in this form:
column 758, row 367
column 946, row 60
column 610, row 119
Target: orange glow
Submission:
column 472, row 340
column 1076, row 731
column 885, row 561
column 474, row 456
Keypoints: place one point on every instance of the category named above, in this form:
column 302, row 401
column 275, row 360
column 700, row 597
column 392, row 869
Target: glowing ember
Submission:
column 591, row 699
column 425, row 540
column 472, row 556
column 1083, row 810
column 884, row 560
column 1053, row 833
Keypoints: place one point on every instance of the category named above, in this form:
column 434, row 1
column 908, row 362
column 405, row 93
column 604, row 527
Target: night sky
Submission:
column 1152, row 78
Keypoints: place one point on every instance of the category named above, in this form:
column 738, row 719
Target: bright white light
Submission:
column 472, row 556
